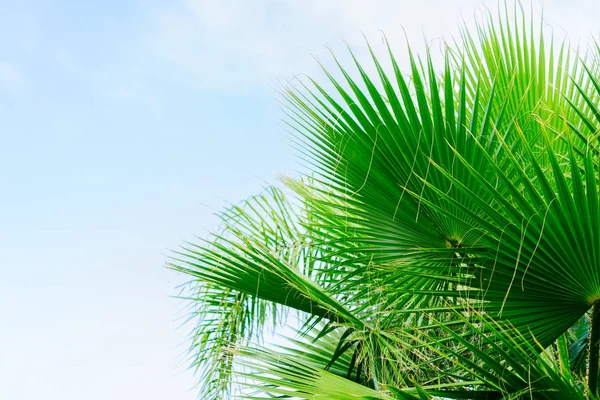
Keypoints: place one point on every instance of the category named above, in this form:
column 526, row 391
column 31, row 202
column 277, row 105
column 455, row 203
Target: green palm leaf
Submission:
column 443, row 242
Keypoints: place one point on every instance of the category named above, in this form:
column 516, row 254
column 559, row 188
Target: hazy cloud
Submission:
column 10, row 76
column 236, row 45
column 137, row 93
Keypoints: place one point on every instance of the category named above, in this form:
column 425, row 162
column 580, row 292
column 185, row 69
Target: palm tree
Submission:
column 445, row 243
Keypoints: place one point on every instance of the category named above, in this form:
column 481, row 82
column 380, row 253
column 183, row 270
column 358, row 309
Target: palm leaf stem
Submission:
column 594, row 349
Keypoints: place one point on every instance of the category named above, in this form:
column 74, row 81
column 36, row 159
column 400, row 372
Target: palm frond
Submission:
column 242, row 278
column 443, row 243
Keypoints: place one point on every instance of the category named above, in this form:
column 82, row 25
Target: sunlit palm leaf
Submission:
column 447, row 233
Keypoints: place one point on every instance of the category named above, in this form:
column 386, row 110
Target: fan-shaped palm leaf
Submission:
column 448, row 232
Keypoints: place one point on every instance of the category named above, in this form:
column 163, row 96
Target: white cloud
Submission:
column 138, row 93
column 118, row 81
column 236, row 44
column 11, row 77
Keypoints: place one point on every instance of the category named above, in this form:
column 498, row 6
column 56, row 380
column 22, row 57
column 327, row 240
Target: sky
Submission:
column 124, row 126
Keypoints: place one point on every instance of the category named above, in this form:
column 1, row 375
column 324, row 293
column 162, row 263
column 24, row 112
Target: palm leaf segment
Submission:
column 451, row 222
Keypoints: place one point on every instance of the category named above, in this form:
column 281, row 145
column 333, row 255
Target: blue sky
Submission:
column 124, row 126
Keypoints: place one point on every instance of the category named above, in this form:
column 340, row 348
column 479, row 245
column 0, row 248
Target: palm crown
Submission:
column 446, row 241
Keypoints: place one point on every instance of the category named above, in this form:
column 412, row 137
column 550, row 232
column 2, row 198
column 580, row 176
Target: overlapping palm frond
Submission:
column 444, row 244
column 259, row 262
